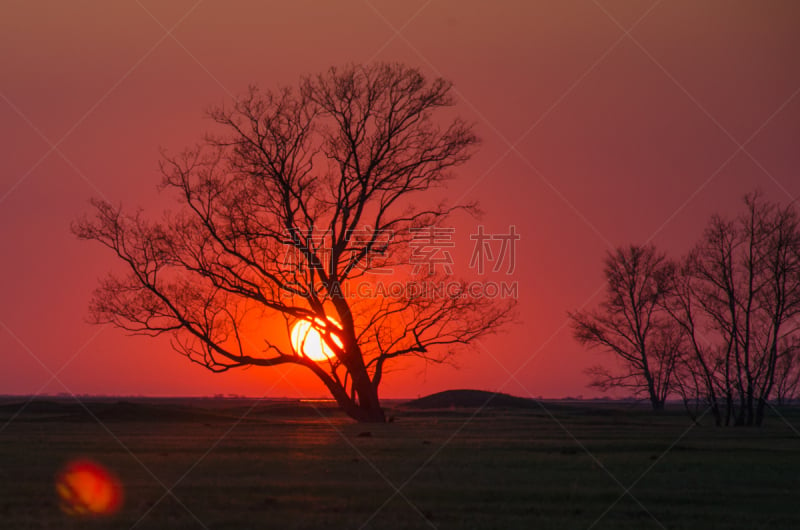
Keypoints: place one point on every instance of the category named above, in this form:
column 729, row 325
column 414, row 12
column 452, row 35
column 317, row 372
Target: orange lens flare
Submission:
column 86, row 488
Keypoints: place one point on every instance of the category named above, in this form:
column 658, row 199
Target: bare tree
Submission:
column 739, row 296
column 699, row 375
column 332, row 175
column 787, row 372
column 631, row 324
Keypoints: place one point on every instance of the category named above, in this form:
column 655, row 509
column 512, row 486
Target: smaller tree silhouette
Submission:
column 737, row 302
column 334, row 175
column 631, row 324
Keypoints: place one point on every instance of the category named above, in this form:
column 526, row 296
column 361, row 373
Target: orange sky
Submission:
column 591, row 138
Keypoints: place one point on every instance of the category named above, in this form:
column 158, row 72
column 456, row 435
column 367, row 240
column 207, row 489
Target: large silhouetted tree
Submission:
column 631, row 324
column 296, row 202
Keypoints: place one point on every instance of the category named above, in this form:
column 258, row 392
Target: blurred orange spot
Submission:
column 87, row 488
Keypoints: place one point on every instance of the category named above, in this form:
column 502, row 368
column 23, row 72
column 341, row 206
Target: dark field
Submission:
column 292, row 466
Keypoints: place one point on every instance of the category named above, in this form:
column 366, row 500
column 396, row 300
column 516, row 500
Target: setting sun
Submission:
column 307, row 339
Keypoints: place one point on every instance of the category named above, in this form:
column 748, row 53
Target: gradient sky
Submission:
column 591, row 138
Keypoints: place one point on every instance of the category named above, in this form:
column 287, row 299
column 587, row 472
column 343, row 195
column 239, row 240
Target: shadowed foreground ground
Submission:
column 293, row 466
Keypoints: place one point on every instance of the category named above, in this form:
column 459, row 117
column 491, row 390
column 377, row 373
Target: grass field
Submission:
column 293, row 466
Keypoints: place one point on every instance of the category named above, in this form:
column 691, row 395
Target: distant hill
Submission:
column 469, row 399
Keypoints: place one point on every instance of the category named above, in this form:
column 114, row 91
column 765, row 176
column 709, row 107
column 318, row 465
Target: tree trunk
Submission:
column 759, row 420
column 656, row 401
column 717, row 415
column 363, row 405
column 364, row 411
column 375, row 415
column 728, row 408
column 369, row 406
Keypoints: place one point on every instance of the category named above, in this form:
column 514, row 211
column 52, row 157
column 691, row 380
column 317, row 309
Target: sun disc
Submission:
column 307, row 339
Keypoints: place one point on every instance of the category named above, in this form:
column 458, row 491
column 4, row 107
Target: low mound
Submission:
column 469, row 399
